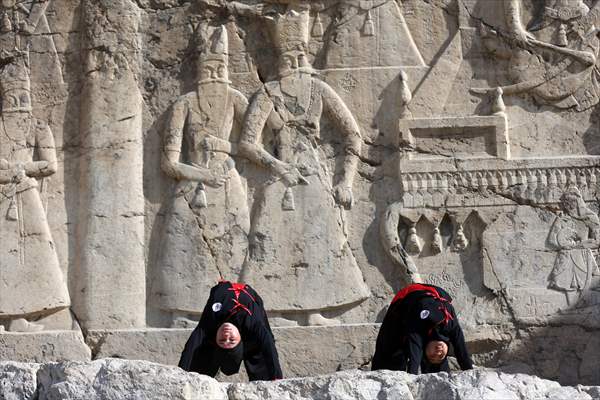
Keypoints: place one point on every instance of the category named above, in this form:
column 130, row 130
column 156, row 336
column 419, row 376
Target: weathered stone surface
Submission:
column 303, row 351
column 110, row 226
column 120, row 379
column 162, row 346
column 113, row 379
column 18, row 381
column 473, row 385
column 44, row 346
column 327, row 152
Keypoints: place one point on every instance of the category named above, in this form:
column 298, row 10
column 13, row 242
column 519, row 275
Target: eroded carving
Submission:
column 31, row 281
column 299, row 253
column 575, row 232
column 403, row 236
column 554, row 57
column 207, row 223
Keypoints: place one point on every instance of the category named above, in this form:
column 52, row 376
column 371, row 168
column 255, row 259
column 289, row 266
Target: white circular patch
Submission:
column 424, row 314
column 216, row 307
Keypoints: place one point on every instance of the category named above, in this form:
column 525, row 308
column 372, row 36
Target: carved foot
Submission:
column 183, row 323
column 22, row 325
column 317, row 319
column 1, row 328
column 282, row 322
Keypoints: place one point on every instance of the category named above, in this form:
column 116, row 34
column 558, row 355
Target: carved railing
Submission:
column 497, row 182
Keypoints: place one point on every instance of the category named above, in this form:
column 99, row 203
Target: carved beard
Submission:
column 212, row 97
column 294, row 83
column 213, row 88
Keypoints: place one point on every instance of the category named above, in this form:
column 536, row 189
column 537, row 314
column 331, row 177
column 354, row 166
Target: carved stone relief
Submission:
column 300, row 267
column 553, row 56
column 575, row 235
column 32, row 285
column 326, row 152
column 207, row 223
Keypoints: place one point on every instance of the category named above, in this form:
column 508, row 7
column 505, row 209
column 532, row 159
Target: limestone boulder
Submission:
column 477, row 384
column 18, row 381
column 114, row 379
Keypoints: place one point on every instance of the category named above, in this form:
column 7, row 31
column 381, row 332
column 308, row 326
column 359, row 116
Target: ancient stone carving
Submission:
column 554, row 56
column 403, row 239
column 574, row 234
column 394, row 247
column 299, row 255
column 31, row 281
column 405, row 96
column 464, row 137
column 207, row 223
column 541, row 182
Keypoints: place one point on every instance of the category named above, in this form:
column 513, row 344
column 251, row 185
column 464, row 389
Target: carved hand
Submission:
column 292, row 176
column 215, row 179
column 343, row 196
column 26, row 28
column 258, row 9
column 18, row 171
column 211, row 143
column 523, row 35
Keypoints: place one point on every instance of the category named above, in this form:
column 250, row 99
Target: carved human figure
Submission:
column 31, row 281
column 299, row 254
column 207, row 222
column 555, row 56
column 18, row 20
column 400, row 252
column 574, row 234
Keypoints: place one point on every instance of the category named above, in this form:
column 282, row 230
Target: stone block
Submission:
column 303, row 351
column 44, row 346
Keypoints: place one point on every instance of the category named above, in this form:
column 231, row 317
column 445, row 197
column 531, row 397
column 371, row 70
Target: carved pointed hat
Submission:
column 216, row 46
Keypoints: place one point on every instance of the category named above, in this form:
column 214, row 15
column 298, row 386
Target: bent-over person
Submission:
column 416, row 331
column 233, row 328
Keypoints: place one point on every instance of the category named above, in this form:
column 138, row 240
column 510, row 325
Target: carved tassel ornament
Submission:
column 368, row 28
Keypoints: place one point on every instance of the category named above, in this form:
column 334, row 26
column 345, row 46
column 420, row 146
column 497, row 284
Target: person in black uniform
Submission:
column 233, row 327
column 416, row 331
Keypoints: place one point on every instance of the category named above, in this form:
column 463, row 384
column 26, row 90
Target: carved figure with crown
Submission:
column 28, row 261
column 207, row 220
column 574, row 234
column 299, row 254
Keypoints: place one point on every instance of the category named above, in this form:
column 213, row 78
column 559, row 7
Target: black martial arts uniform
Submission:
column 241, row 306
column 419, row 314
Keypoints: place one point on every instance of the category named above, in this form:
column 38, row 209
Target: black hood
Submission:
column 229, row 360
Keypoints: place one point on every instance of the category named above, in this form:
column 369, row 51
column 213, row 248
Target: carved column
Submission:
column 110, row 280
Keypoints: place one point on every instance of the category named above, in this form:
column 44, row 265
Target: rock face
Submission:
column 113, row 379
column 326, row 152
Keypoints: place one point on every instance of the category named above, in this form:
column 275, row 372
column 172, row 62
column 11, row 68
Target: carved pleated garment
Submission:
column 205, row 236
column 300, row 259
column 201, row 245
column 31, row 280
column 574, row 268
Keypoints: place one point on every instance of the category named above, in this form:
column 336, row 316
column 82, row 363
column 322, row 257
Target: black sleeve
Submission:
column 460, row 348
column 269, row 350
column 389, row 353
column 198, row 339
column 263, row 364
column 414, row 351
